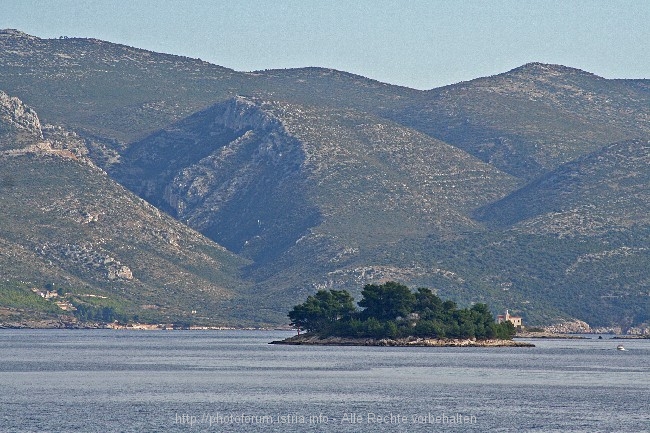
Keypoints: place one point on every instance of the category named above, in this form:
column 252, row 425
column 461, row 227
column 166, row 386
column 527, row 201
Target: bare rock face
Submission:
column 21, row 132
column 231, row 172
column 569, row 327
column 15, row 114
column 119, row 272
column 91, row 258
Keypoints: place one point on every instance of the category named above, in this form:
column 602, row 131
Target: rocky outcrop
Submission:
column 231, row 172
column 569, row 327
column 16, row 115
column 549, row 335
column 21, row 133
column 89, row 257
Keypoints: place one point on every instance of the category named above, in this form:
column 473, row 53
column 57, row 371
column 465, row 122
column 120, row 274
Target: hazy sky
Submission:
column 421, row 44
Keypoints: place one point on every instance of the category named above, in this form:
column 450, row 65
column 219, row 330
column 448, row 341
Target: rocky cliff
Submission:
column 17, row 116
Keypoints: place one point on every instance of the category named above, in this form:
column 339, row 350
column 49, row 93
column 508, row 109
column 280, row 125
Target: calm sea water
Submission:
column 233, row 381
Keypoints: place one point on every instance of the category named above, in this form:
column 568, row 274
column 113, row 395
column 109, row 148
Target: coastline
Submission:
column 550, row 335
column 631, row 337
column 57, row 324
column 315, row 340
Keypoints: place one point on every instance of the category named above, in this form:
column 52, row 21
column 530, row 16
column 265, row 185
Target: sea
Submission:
column 235, row 381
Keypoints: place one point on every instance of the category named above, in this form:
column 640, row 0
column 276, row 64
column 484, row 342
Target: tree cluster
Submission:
column 87, row 312
column 392, row 310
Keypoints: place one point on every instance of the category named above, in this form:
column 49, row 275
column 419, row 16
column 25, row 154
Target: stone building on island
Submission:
column 515, row 320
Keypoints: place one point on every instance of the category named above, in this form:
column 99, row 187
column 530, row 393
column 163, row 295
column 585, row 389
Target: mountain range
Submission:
column 170, row 189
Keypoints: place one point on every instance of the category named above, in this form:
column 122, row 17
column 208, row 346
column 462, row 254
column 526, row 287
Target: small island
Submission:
column 393, row 315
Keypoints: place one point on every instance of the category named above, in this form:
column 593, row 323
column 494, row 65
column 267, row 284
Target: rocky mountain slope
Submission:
column 592, row 216
column 602, row 191
column 505, row 189
column 65, row 224
column 112, row 90
column 276, row 181
column 261, row 161
column 532, row 119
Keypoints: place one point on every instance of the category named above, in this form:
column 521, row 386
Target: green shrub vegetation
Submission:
column 22, row 297
column 100, row 310
column 392, row 310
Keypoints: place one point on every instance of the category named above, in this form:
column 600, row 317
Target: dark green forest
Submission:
column 392, row 310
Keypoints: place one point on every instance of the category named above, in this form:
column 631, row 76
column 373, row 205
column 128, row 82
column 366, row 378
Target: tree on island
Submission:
column 392, row 310
column 322, row 310
column 387, row 301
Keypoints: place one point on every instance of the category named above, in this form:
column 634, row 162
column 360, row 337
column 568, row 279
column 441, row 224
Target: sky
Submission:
column 414, row 43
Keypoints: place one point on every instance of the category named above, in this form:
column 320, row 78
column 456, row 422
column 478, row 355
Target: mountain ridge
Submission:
column 526, row 122
column 325, row 179
column 619, row 168
column 316, row 158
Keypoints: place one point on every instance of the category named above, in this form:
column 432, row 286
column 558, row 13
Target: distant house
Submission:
column 515, row 320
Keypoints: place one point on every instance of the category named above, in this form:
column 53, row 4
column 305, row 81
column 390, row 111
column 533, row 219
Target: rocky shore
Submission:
column 47, row 324
column 631, row 337
column 314, row 340
column 549, row 335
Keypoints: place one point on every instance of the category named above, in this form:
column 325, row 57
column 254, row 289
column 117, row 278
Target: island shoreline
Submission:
column 315, row 340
